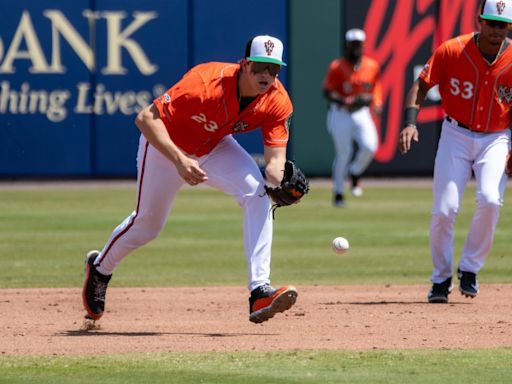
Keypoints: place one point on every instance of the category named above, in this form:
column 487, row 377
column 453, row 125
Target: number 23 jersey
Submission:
column 473, row 92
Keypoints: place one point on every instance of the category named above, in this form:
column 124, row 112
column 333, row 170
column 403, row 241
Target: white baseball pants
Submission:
column 460, row 152
column 345, row 127
column 230, row 169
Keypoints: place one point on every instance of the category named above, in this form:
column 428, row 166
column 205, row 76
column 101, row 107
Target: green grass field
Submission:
column 45, row 233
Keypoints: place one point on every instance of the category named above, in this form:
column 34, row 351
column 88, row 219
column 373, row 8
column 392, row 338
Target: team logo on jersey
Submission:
column 500, row 6
column 269, row 47
column 240, row 126
column 167, row 98
column 505, row 93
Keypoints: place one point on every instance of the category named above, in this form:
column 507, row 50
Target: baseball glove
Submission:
column 293, row 186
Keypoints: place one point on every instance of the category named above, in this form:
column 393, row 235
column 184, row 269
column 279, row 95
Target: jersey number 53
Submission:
column 466, row 91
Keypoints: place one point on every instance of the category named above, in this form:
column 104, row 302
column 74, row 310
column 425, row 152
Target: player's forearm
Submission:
column 416, row 94
column 413, row 101
column 275, row 157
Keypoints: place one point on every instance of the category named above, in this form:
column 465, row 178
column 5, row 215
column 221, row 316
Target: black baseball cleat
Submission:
column 439, row 292
column 95, row 288
column 468, row 285
column 339, row 200
column 266, row 301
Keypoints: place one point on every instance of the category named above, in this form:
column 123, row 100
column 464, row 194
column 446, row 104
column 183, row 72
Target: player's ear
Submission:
column 243, row 64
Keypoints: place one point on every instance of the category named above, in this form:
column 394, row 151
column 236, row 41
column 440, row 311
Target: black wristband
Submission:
column 410, row 116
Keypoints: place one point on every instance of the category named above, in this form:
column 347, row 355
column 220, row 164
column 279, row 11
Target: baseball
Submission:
column 340, row 245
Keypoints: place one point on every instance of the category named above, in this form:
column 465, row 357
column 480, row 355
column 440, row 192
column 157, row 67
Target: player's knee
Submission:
column 145, row 235
column 257, row 197
column 366, row 152
column 489, row 200
column 370, row 148
column 255, row 201
column 252, row 187
column 147, row 230
column 447, row 214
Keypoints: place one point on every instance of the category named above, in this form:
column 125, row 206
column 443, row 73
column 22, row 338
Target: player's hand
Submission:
column 190, row 171
column 508, row 164
column 407, row 134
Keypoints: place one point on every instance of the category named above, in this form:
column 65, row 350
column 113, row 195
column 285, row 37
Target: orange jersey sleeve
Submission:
column 377, row 91
column 431, row 73
column 333, row 81
column 473, row 91
column 275, row 130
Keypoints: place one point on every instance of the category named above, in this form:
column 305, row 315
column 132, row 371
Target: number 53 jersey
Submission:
column 473, row 92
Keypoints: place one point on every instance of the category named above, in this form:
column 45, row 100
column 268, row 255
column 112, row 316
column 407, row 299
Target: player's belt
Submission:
column 458, row 123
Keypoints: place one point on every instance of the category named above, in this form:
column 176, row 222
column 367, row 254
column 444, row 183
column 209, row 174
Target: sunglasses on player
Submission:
column 496, row 24
column 273, row 69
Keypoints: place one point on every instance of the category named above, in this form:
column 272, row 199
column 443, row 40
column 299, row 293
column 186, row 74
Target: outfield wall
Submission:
column 73, row 74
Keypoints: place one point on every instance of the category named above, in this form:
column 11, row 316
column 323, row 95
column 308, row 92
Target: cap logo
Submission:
column 500, row 6
column 269, row 47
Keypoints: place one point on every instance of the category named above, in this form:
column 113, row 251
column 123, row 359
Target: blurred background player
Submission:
column 187, row 139
column 352, row 87
column 474, row 75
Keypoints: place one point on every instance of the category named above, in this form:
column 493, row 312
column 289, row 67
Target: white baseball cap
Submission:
column 355, row 34
column 265, row 49
column 499, row 10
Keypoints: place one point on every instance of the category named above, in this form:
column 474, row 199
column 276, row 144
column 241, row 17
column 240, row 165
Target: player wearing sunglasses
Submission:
column 187, row 138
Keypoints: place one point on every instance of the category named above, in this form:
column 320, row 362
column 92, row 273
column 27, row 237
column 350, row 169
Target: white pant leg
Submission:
column 452, row 171
column 340, row 126
column 158, row 182
column 232, row 170
column 489, row 167
column 365, row 135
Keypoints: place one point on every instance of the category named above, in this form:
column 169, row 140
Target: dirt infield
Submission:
column 50, row 321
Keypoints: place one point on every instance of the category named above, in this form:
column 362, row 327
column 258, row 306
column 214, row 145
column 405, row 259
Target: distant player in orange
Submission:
column 474, row 74
column 187, row 139
column 352, row 87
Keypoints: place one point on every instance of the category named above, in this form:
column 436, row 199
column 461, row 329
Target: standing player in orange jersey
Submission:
column 352, row 87
column 474, row 74
column 187, row 139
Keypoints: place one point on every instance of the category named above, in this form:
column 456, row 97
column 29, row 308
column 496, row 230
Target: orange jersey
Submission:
column 473, row 92
column 342, row 77
column 202, row 108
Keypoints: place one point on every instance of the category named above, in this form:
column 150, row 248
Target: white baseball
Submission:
column 340, row 245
